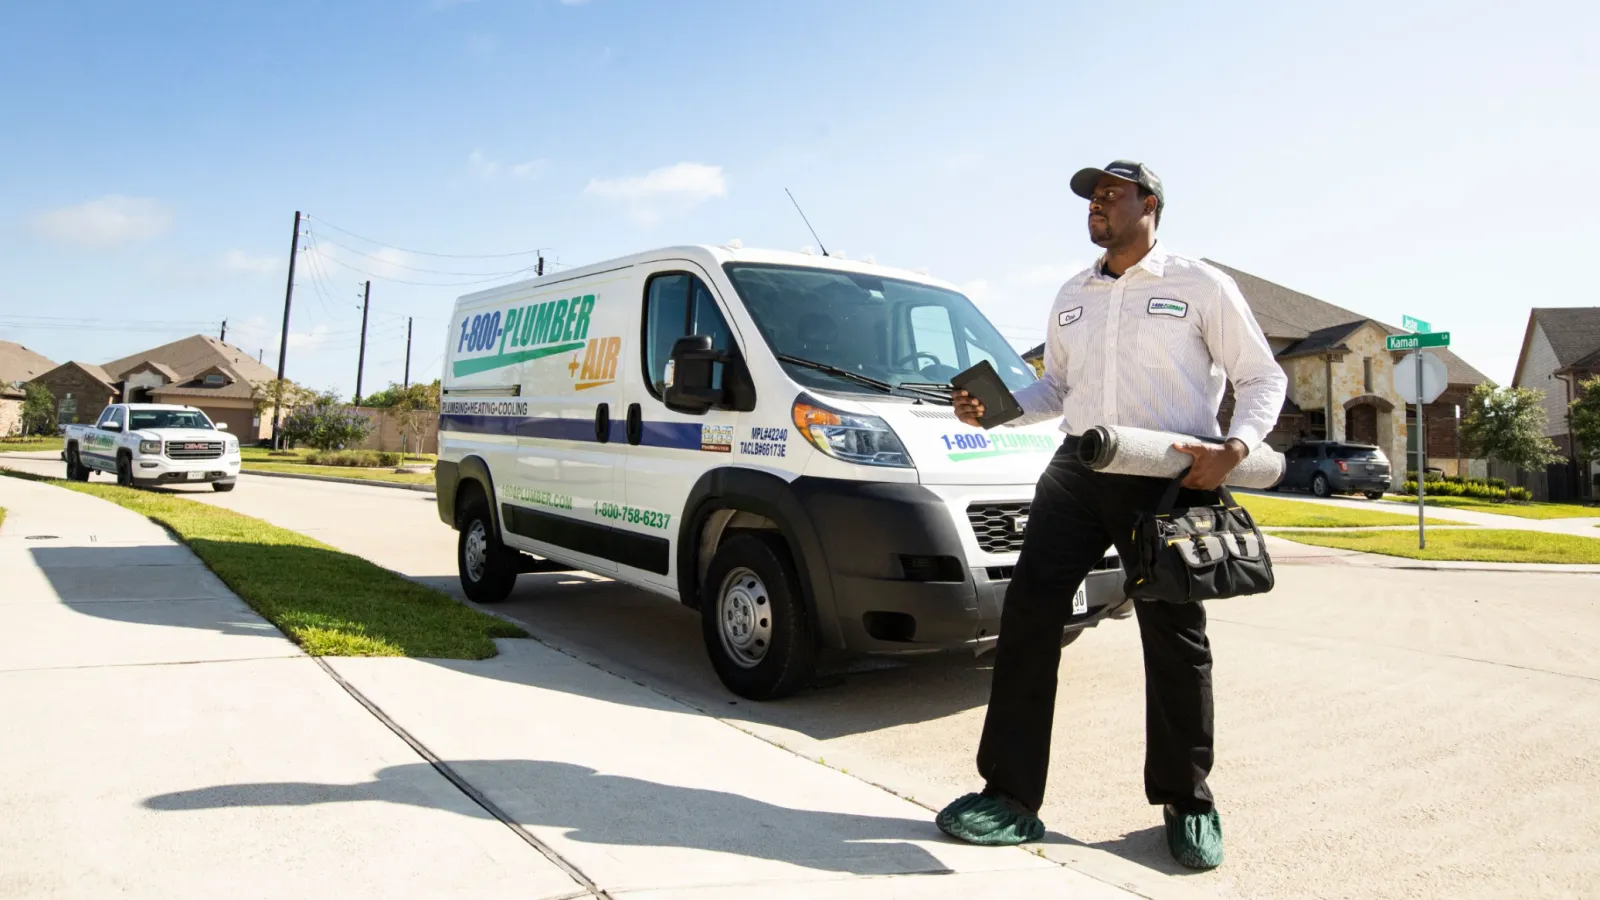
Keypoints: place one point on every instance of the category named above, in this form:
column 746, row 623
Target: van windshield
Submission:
column 898, row 333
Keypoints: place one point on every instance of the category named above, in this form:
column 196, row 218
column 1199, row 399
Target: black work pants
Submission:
column 1076, row 515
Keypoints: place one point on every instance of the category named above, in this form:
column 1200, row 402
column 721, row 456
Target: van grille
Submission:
column 998, row 526
column 194, row 449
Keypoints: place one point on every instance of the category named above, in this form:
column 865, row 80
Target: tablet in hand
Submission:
column 984, row 384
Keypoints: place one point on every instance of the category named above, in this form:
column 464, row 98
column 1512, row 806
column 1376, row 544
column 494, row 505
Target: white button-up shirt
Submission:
column 1155, row 349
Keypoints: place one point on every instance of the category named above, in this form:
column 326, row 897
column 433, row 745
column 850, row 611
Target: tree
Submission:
column 1507, row 424
column 414, row 408
column 1586, row 419
column 38, row 410
column 392, row 395
column 325, row 423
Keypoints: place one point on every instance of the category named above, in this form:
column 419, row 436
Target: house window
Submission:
column 213, row 380
column 1366, row 372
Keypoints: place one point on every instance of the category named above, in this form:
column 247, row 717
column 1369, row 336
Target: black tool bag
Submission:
column 1197, row 553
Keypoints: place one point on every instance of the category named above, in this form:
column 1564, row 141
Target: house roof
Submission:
column 97, row 373
column 1286, row 313
column 194, row 354
column 1323, row 340
column 18, row 363
column 164, row 369
column 1574, row 332
column 238, row 388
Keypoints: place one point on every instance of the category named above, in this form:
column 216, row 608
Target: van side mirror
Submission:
column 693, row 370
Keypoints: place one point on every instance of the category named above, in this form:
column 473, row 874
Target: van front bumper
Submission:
column 900, row 575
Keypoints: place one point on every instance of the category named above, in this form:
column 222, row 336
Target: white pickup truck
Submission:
column 154, row 443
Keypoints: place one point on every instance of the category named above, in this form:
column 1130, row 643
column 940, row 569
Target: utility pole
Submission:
column 361, row 360
column 408, row 352
column 224, row 337
column 283, row 342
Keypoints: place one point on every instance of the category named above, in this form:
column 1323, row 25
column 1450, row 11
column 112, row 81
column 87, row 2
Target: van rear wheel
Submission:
column 754, row 621
column 488, row 568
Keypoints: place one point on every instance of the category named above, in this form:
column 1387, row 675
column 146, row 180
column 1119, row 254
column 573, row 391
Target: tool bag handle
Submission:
column 1170, row 498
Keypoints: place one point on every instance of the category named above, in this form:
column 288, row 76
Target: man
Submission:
column 1142, row 338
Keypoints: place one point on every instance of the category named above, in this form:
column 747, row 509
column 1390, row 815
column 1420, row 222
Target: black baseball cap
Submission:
column 1084, row 181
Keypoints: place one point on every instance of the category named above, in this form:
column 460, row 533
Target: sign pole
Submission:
column 1422, row 463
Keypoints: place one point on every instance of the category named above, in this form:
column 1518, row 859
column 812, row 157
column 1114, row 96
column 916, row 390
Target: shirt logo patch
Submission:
column 1160, row 306
column 1071, row 315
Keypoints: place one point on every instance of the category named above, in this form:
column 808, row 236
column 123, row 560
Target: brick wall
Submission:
column 90, row 395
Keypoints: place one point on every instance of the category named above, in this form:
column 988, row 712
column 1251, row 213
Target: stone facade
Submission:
column 10, row 416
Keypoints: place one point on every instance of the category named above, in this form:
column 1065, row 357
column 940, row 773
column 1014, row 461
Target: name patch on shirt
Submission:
column 1071, row 315
column 1160, row 306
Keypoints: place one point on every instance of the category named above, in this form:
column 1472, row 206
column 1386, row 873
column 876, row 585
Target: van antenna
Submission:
column 807, row 221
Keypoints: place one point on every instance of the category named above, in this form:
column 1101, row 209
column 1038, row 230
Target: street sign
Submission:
column 1410, row 323
column 1418, row 341
column 1434, row 377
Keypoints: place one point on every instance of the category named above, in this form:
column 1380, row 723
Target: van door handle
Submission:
column 602, row 422
column 635, row 424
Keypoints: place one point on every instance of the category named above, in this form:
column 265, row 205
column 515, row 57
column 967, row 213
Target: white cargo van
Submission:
column 764, row 436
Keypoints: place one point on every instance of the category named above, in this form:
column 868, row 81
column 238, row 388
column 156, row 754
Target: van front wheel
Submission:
column 754, row 620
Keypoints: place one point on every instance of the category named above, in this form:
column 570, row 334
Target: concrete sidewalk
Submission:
column 166, row 741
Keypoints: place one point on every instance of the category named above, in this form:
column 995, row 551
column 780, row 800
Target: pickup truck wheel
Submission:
column 222, row 487
column 125, row 471
column 488, row 568
column 754, row 620
column 1067, row 637
column 76, row 470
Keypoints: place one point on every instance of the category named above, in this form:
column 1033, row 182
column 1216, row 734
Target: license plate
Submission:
column 196, row 476
column 1080, row 600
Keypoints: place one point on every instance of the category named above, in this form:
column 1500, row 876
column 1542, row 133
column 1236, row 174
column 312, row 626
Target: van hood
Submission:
column 946, row 451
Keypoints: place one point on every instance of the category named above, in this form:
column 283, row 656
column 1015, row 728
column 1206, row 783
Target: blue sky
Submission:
column 1425, row 158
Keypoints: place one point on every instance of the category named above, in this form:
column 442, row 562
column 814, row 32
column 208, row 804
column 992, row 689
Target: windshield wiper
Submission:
column 846, row 374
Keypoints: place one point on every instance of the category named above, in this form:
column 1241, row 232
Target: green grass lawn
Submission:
column 35, row 444
column 1271, row 512
column 1520, row 510
column 262, row 459
column 1474, row 545
column 328, row 602
column 2, row 515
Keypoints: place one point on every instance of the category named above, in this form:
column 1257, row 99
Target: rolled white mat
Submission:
column 1119, row 450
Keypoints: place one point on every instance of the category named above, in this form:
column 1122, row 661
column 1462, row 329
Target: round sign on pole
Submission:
column 1435, row 377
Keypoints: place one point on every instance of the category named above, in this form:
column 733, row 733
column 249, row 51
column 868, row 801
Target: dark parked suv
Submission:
column 1326, row 468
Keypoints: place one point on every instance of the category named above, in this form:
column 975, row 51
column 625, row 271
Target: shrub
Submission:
column 325, row 424
column 1519, row 494
column 1499, row 483
column 364, row 459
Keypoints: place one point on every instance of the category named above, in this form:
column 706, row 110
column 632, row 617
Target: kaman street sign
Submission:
column 1418, row 341
column 1411, row 323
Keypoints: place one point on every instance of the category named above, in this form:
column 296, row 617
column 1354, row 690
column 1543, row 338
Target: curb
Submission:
column 363, row 482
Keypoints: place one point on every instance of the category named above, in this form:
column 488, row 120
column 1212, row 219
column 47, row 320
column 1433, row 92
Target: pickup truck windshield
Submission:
column 140, row 419
column 898, row 332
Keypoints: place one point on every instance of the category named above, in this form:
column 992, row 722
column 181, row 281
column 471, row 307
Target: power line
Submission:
column 386, row 262
column 432, row 283
column 426, row 253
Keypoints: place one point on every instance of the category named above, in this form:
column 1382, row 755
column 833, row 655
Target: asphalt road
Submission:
column 1380, row 733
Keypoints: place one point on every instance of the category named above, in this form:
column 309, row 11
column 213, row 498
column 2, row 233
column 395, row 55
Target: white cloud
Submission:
column 245, row 264
column 106, row 223
column 669, row 189
column 309, row 340
column 336, row 267
column 484, row 167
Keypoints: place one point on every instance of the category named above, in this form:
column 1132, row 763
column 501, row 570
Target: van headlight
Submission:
column 867, row 440
column 152, row 448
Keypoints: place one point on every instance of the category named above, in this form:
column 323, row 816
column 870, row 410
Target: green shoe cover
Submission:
column 1195, row 839
column 984, row 819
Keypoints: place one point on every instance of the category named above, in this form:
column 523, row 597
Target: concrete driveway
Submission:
column 1380, row 733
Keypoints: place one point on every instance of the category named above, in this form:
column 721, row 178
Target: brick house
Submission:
column 201, row 371
column 18, row 366
column 1560, row 349
column 81, row 390
column 1341, row 380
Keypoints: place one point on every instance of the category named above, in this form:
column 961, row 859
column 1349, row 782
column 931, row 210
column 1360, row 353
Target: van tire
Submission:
column 754, row 619
column 488, row 568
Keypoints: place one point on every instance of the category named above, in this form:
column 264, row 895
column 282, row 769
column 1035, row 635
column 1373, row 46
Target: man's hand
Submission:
column 968, row 408
column 1212, row 462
